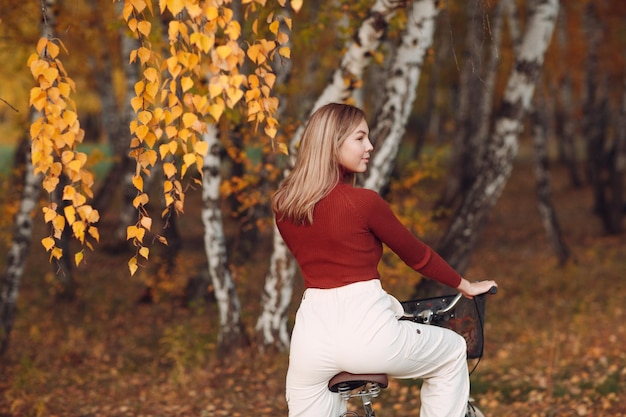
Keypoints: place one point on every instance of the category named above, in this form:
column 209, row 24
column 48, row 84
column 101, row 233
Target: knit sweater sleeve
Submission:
column 384, row 224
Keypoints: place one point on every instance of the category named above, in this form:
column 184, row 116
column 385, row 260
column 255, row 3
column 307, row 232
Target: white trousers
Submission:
column 355, row 329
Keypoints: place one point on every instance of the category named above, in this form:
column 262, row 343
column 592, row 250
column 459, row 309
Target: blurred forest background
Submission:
column 500, row 129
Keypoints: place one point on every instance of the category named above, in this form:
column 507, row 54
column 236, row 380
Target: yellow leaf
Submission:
column 186, row 83
column 78, row 228
column 51, row 74
column 144, row 251
column 233, row 30
column 49, row 214
column 173, row 147
column 285, row 51
column 57, row 253
column 142, row 131
column 270, row 131
column 88, row 214
column 134, row 232
column 144, row 27
column 151, row 74
column 169, row 169
column 194, row 10
column 53, row 49
column 152, row 89
column 171, row 131
column 144, row 54
column 234, row 95
column 70, row 214
column 164, row 149
column 296, row 5
column 59, row 224
column 201, row 148
column 132, row 265
column 189, row 119
column 141, row 200
column 214, row 91
column 223, row 51
column 41, row 45
column 253, row 52
column 216, row 111
column 94, row 233
column 75, row 165
column 144, row 117
column 50, row 183
column 175, row 6
column 189, row 159
column 138, row 182
column 211, row 12
column 282, row 38
column 150, row 139
column 282, row 148
column 78, row 257
column 274, row 27
column 136, row 103
column 146, row 222
column 48, row 243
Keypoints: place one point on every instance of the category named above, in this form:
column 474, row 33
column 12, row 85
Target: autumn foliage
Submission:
column 56, row 134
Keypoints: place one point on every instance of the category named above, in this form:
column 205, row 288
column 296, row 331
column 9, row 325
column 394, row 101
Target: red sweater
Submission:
column 344, row 243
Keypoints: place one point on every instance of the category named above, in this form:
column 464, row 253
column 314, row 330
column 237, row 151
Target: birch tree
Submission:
column 271, row 326
column 495, row 169
column 547, row 212
column 399, row 92
column 539, row 128
column 231, row 332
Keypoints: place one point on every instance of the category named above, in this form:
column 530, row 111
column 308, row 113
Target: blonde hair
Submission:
column 316, row 170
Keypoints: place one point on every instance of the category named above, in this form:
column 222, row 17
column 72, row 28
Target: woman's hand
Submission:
column 470, row 289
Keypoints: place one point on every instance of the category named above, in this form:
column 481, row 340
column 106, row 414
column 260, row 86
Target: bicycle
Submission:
column 455, row 312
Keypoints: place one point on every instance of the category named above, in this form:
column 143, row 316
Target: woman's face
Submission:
column 354, row 152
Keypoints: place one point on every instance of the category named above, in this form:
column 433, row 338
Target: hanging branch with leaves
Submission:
column 172, row 103
column 56, row 135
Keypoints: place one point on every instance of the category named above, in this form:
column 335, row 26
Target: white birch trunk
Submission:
column 271, row 325
column 399, row 93
column 230, row 326
column 467, row 224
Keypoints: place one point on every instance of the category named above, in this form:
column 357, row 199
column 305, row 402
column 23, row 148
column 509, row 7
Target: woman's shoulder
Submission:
column 359, row 195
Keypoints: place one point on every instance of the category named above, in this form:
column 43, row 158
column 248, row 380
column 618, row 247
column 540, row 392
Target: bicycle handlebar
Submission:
column 455, row 301
column 427, row 314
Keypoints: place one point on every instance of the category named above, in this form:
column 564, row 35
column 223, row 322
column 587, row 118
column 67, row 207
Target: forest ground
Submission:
column 554, row 335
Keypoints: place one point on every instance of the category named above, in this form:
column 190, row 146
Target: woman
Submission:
column 346, row 321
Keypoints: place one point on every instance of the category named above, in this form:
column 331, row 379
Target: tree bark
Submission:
column 546, row 209
column 16, row 255
column 390, row 121
column 617, row 207
column 495, row 169
column 470, row 92
column 231, row 333
column 565, row 120
column 601, row 154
